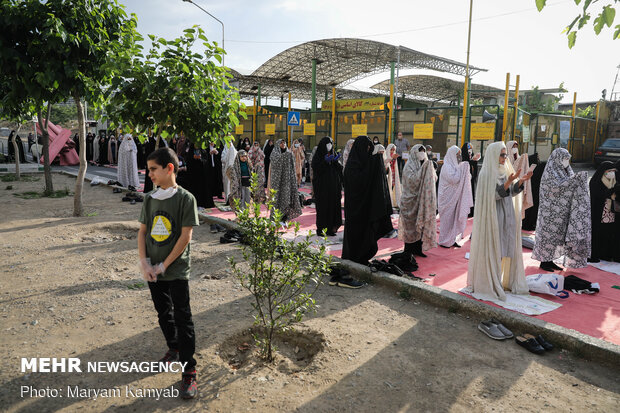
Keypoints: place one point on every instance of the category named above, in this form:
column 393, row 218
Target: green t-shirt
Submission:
column 164, row 220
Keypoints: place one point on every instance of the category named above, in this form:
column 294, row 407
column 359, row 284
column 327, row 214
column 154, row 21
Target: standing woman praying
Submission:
column 393, row 176
column 300, row 158
column 417, row 223
column 327, row 187
column 496, row 255
column 604, row 194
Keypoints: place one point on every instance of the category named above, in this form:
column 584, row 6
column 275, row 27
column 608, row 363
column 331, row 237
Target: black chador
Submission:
column 367, row 206
column 327, row 187
column 90, row 139
column 605, row 222
column 195, row 178
column 103, row 150
column 213, row 170
column 531, row 214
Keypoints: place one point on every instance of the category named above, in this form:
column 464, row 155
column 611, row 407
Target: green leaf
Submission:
column 572, row 37
column 609, row 13
column 541, row 3
column 617, row 32
column 577, row 2
column 164, row 134
column 184, row 67
column 599, row 22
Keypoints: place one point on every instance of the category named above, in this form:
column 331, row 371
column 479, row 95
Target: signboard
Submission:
column 482, row 131
column 423, row 131
column 239, row 130
column 310, row 129
column 526, row 134
column 355, row 104
column 293, row 119
column 359, row 130
column 270, row 129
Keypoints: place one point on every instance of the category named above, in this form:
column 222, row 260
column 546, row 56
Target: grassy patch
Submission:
column 136, row 286
column 405, row 294
column 36, row 195
column 23, row 178
column 92, row 214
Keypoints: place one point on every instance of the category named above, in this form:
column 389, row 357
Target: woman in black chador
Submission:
column 195, row 179
column 90, row 138
column 531, row 214
column 604, row 191
column 467, row 155
column 20, row 148
column 327, row 187
column 103, row 150
column 367, row 205
column 267, row 149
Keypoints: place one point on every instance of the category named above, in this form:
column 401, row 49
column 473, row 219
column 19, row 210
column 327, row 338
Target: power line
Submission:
column 438, row 26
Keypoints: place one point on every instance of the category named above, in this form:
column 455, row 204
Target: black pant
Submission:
column 171, row 299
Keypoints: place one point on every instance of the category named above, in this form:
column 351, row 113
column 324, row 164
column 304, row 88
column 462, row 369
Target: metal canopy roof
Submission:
column 300, row 91
column 426, row 87
column 345, row 60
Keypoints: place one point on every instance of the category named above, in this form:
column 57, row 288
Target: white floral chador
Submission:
column 282, row 178
column 564, row 224
column 128, row 163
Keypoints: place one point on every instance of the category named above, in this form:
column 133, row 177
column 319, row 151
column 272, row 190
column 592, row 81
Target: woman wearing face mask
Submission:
column 604, row 192
column 496, row 255
column 282, row 180
column 531, row 214
column 257, row 159
column 239, row 175
column 300, row 158
column 393, row 177
column 327, row 187
column 454, row 198
column 128, row 163
column 365, row 200
column 521, row 163
column 417, row 224
column 563, row 227
column 467, row 155
column 267, row 151
column 375, row 140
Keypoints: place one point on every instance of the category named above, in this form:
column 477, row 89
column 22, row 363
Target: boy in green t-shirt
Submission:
column 168, row 215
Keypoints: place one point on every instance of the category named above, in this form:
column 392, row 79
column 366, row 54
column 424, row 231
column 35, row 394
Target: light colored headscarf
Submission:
column 522, row 163
column 454, row 197
column 485, row 256
column 394, row 184
column 418, row 203
column 229, row 154
column 346, row 151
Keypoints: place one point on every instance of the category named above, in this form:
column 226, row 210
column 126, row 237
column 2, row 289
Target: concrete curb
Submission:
column 580, row 344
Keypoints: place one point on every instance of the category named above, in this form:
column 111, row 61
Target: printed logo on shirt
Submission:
column 162, row 229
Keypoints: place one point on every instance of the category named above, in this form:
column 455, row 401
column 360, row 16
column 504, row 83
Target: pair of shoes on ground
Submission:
column 340, row 278
column 189, row 386
column 495, row 329
column 536, row 345
column 132, row 198
column 455, row 245
column 550, row 266
column 404, row 260
column 230, row 236
column 116, row 190
column 214, row 228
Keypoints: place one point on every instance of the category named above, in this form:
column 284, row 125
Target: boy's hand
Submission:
column 159, row 269
column 148, row 272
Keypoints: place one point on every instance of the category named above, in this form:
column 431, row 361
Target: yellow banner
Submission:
column 309, row 129
column 423, row 131
column 239, row 130
column 359, row 130
column 482, row 131
column 354, row 104
column 270, row 129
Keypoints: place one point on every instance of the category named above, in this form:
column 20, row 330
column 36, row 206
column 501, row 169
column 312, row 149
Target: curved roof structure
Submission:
column 426, row 87
column 342, row 61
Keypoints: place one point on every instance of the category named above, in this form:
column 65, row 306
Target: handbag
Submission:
column 552, row 284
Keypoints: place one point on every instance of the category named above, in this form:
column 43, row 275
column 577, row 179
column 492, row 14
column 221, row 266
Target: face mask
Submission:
column 376, row 142
column 421, row 156
column 329, row 147
column 470, row 152
column 610, row 175
column 162, row 194
column 297, row 145
column 429, row 154
column 515, row 151
column 459, row 158
column 565, row 163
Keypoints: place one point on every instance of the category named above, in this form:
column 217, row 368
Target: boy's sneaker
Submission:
column 170, row 356
column 189, row 387
column 345, row 282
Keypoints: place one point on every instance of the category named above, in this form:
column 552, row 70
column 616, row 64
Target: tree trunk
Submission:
column 47, row 170
column 78, row 209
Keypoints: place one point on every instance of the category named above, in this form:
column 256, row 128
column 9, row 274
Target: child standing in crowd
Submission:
column 167, row 217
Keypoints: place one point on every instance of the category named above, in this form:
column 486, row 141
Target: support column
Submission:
column 334, row 116
column 594, row 144
column 314, row 85
column 506, row 98
column 258, row 100
column 391, row 107
column 254, row 121
column 288, row 127
column 572, row 124
column 516, row 116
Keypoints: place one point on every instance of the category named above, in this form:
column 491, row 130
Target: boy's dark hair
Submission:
column 164, row 156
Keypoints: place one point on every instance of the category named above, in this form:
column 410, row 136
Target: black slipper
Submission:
column 545, row 266
column 530, row 344
column 540, row 340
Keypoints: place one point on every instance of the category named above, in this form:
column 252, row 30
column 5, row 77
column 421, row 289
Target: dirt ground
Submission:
column 70, row 287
